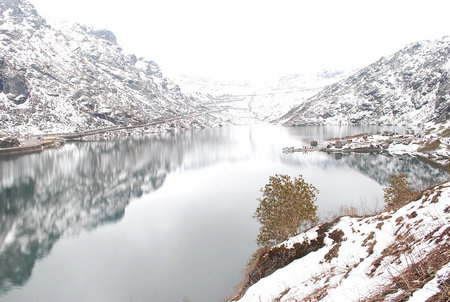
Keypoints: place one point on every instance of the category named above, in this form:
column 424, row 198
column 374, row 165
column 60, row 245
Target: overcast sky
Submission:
column 254, row 39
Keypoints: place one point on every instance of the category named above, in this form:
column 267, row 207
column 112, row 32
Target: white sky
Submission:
column 255, row 39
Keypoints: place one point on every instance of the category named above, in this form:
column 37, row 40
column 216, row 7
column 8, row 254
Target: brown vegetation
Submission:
column 269, row 260
column 430, row 146
column 336, row 235
column 397, row 194
column 404, row 283
column 445, row 133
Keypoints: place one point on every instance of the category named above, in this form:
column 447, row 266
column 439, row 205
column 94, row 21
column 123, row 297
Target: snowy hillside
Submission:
column 392, row 256
column 409, row 87
column 261, row 101
column 74, row 78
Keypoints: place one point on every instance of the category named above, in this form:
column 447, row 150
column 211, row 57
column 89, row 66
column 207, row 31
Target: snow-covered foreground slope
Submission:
column 260, row 101
column 386, row 257
column 77, row 78
column 410, row 87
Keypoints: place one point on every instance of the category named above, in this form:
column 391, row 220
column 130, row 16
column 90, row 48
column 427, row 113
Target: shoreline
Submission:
column 431, row 145
column 33, row 146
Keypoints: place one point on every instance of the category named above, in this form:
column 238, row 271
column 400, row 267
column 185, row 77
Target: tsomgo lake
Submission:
column 166, row 217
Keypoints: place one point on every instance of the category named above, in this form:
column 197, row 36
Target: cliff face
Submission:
column 409, row 87
column 74, row 78
column 392, row 256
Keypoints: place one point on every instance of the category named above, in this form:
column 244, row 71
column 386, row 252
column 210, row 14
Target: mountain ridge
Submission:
column 410, row 87
column 72, row 77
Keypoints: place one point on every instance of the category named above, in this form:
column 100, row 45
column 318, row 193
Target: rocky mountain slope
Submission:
column 409, row 87
column 260, row 101
column 76, row 78
column 393, row 256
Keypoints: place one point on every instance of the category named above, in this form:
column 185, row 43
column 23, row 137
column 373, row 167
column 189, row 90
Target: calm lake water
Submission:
column 164, row 218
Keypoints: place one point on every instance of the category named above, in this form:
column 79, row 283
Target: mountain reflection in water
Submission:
column 60, row 193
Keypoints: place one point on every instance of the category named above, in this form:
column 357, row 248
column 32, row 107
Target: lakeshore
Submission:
column 32, row 145
column 431, row 144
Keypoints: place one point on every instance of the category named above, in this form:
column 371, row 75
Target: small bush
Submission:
column 287, row 204
column 397, row 193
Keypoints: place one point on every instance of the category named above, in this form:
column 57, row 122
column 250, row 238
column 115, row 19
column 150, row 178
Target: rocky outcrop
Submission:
column 15, row 88
column 410, row 87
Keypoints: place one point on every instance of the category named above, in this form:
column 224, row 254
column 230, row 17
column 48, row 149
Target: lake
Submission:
column 165, row 217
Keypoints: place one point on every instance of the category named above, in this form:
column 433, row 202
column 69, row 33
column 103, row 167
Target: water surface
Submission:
column 164, row 218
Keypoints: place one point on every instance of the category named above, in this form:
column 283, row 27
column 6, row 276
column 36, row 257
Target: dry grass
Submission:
column 337, row 236
column 419, row 270
column 318, row 294
column 429, row 130
column 445, row 133
column 430, row 146
column 284, row 293
column 447, row 168
column 415, row 276
column 251, row 264
column 348, row 211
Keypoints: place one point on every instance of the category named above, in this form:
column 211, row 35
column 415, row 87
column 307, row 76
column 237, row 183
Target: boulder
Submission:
column 16, row 87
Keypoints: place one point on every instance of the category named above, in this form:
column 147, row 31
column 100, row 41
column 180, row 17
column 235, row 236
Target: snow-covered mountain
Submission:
column 261, row 101
column 409, row 87
column 74, row 78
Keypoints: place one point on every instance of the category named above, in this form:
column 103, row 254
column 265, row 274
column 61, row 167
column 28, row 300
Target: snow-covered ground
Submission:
column 355, row 259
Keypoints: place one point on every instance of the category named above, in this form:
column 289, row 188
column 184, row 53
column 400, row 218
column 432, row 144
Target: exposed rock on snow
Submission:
column 361, row 258
column 68, row 78
column 410, row 87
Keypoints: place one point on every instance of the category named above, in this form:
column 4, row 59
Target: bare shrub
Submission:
column 348, row 211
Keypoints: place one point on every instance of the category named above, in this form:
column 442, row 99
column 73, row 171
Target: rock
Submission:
column 9, row 142
column 105, row 35
column 16, row 88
